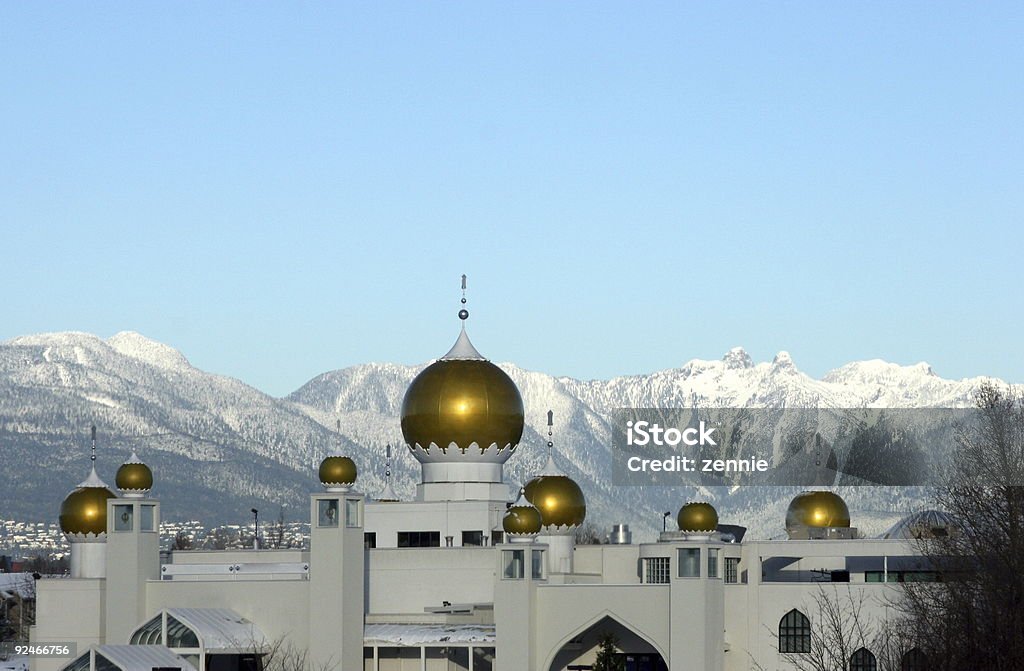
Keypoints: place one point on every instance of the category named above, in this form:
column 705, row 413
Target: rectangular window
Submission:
column 353, row 513
column 732, row 569
column 689, row 562
column 472, row 538
column 147, row 515
column 513, row 560
column 370, row 539
column 656, row 570
column 327, row 513
column 419, row 539
column 537, row 565
column 483, row 659
column 124, row 517
column 712, row 562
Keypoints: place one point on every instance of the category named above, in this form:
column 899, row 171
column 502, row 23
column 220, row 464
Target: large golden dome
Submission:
column 462, row 407
column 84, row 511
column 558, row 498
column 134, row 477
column 819, row 509
column 696, row 517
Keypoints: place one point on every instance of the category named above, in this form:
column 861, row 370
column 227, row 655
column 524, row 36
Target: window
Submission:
column 419, row 539
column 732, row 569
column 537, row 565
column 656, row 570
column 483, row 659
column 353, row 518
column 712, row 562
column 914, row 660
column 104, row 664
column 123, row 518
column 689, row 562
column 863, row 660
column 794, row 632
column 80, row 664
column 472, row 538
column 513, row 561
column 150, row 633
column 370, row 539
column 147, row 515
column 327, row 513
column 180, row 635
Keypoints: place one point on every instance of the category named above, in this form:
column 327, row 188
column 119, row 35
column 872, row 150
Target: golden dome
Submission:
column 697, row 517
column 84, row 511
column 522, row 518
column 559, row 499
column 462, row 399
column 818, row 509
column 337, row 471
column 134, row 476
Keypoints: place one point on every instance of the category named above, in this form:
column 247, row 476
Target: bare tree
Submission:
column 588, row 534
column 973, row 615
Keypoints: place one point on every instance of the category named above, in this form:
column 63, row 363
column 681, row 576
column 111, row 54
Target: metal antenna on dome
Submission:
column 551, row 422
column 387, row 465
column 92, row 456
column 463, row 313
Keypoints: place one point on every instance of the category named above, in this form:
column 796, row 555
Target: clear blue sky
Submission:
column 282, row 189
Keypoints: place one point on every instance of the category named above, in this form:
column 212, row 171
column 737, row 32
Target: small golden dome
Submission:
column 695, row 517
column 818, row 509
column 84, row 511
column 335, row 471
column 462, row 399
column 522, row 518
column 134, row 476
column 558, row 498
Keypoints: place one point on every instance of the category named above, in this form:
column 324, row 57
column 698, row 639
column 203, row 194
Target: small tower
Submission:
column 562, row 506
column 133, row 548
column 83, row 519
column 336, row 567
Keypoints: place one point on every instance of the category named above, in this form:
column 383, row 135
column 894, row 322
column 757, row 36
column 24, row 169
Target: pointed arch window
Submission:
column 794, row 632
column 863, row 660
column 914, row 660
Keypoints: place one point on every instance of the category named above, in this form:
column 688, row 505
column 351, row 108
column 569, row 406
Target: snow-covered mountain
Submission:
column 219, row 447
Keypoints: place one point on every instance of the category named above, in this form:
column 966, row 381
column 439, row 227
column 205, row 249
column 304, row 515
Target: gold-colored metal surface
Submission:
column 338, row 471
column 521, row 520
column 697, row 517
column 462, row 402
column 817, row 509
column 559, row 500
column 134, row 477
column 84, row 511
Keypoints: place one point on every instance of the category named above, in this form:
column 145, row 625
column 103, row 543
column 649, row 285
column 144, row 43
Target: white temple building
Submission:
column 468, row 576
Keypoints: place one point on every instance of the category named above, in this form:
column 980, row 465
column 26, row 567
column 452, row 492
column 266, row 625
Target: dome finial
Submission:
column 463, row 313
column 92, row 456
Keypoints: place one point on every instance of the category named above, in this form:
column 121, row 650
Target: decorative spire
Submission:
column 463, row 349
column 338, row 424
column 94, row 479
column 551, row 468
column 387, row 494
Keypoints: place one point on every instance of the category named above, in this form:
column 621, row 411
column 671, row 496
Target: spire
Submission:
column 463, row 349
column 93, row 480
column 388, row 493
column 551, row 468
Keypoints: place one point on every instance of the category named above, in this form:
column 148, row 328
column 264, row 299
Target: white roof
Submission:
column 221, row 628
column 463, row 350
column 418, row 634
column 143, row 657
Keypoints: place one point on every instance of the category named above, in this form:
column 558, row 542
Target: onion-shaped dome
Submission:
column 522, row 518
column 134, row 478
column 697, row 517
column 338, row 473
column 84, row 511
column 558, row 498
column 818, row 509
column 463, row 409
column 925, row 524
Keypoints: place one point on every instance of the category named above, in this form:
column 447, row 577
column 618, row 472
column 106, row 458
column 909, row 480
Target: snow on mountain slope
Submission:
column 219, row 446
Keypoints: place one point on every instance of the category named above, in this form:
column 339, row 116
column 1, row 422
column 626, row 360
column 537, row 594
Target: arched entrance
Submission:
column 579, row 652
